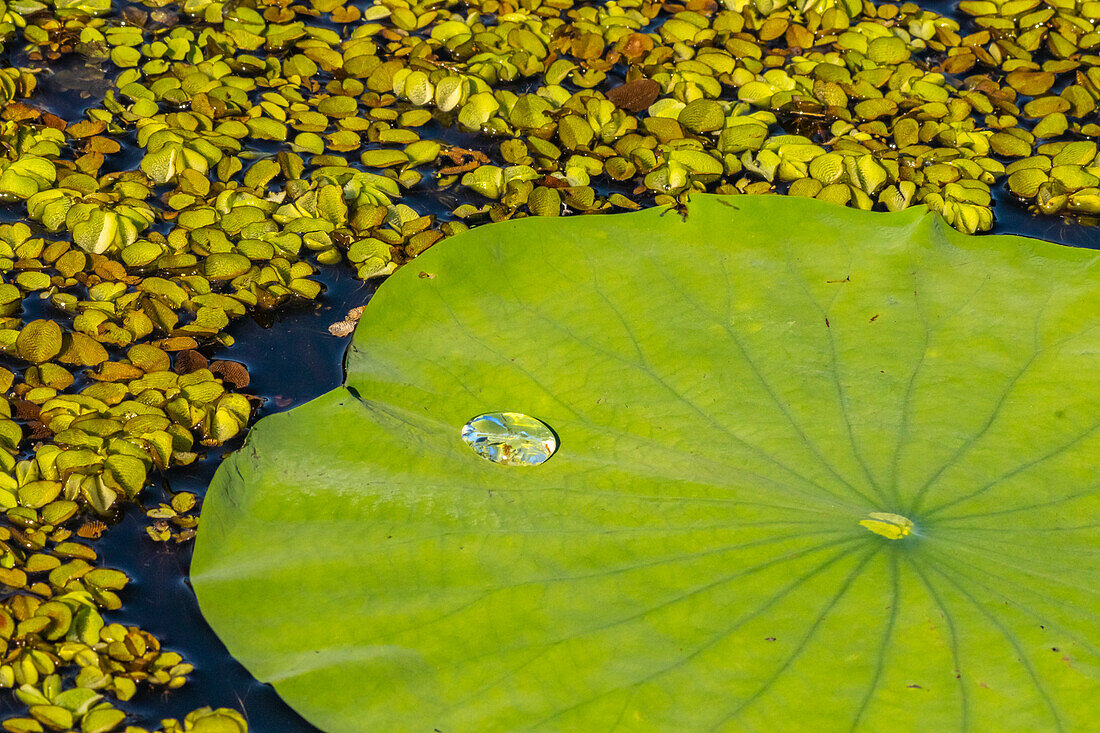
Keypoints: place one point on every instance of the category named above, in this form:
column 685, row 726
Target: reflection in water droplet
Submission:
column 510, row 438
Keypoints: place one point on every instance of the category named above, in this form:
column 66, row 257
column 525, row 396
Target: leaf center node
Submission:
column 890, row 526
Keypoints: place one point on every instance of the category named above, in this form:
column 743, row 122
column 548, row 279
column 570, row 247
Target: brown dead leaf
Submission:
column 635, row 96
column 637, row 45
column 233, row 372
column 189, row 361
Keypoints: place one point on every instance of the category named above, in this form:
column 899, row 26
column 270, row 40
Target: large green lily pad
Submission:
column 734, row 394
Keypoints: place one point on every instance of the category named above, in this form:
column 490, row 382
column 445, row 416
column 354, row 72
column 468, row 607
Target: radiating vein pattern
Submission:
column 818, row 469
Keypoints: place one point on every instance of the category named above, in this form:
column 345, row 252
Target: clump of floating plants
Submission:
column 222, row 152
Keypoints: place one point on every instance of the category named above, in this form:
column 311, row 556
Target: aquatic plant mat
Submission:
column 816, row 465
column 172, row 174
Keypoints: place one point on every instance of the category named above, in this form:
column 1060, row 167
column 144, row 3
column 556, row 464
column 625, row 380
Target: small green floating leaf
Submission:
column 735, row 391
column 39, row 341
column 161, row 166
column 102, row 720
column 27, row 176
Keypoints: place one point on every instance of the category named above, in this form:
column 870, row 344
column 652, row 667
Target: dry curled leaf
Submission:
column 341, row 329
column 463, row 160
column 91, row 529
column 346, row 326
column 233, row 372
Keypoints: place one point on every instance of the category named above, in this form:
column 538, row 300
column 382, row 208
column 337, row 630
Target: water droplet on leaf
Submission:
column 510, row 438
column 891, row 526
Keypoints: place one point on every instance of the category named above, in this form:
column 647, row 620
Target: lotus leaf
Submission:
column 819, row 468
